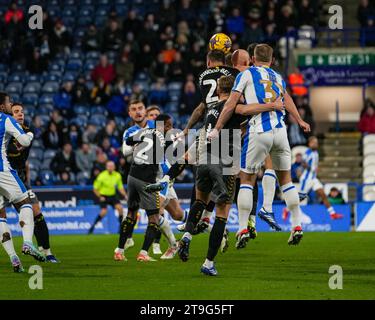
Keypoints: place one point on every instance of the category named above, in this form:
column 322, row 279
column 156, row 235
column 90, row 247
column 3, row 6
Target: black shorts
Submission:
column 210, row 178
column 109, row 201
column 139, row 198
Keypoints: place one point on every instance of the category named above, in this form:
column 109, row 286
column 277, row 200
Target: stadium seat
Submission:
column 34, row 164
column 175, row 86
column 30, row 98
column 69, row 11
column 32, row 87
column 369, row 148
column 47, row 177
column 82, row 178
column 15, row 77
column 33, row 78
column 81, row 110
column 98, row 120
column 3, row 77
column 86, row 12
column 84, row 21
column 46, row 164
column 33, row 176
column 369, row 171
column 100, row 21
column 36, row 153
column 29, row 109
column 15, row 96
column 37, row 143
column 93, row 55
column 90, row 64
column 45, row 119
column 370, row 138
column 73, row 65
column 99, row 110
column 49, row 154
column 70, row 76
column 50, row 87
column 14, row 87
column 81, row 121
column 368, row 193
column 52, row 77
column 55, row 66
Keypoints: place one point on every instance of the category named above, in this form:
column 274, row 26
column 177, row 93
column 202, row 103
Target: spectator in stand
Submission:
column 335, row 196
column 120, row 98
column 306, row 13
column 103, row 70
column 158, row 68
column 196, row 59
column 169, row 52
column 253, row 33
column 109, row 132
column 99, row 164
column 138, row 93
column 61, row 40
column 236, row 22
column 65, row 179
column 177, row 69
column 52, row 139
column 286, row 21
column 63, row 100
column 89, row 134
column 85, row 158
column 297, row 168
column 190, row 98
column 167, row 13
column 168, row 34
column 186, row 11
column 145, row 62
column 152, row 112
column 64, row 160
column 13, row 11
column 132, row 23
column 365, row 11
column 91, row 40
column 36, row 64
column 37, row 127
column 80, row 92
column 367, row 120
column 74, row 137
column 125, row 69
column 295, row 133
column 158, row 94
column 100, row 93
column 113, row 154
column 112, row 36
column 58, row 120
column 216, row 21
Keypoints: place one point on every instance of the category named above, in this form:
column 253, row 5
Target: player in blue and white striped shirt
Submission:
column 266, row 135
column 309, row 180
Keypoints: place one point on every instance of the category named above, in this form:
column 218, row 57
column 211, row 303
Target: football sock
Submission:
column 292, row 202
column 26, row 220
column 41, row 231
column 195, row 214
column 331, row 210
column 208, row 263
column 6, row 238
column 165, row 227
column 127, row 226
column 158, row 237
column 253, row 213
column 245, row 205
column 269, row 188
column 151, row 232
column 207, row 213
column 216, row 236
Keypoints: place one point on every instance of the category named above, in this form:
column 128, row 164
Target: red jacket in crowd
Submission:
column 107, row 73
column 367, row 123
column 10, row 13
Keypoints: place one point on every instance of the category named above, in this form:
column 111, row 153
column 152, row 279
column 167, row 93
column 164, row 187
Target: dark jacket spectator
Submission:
column 132, row 23
column 125, row 69
column 365, row 11
column 112, row 36
column 65, row 179
column 190, row 98
column 177, row 69
column 64, row 160
column 74, row 136
column 61, row 40
column 36, row 63
column 85, row 158
column 103, row 70
column 120, row 98
column 91, row 40
column 80, row 92
column 63, row 99
column 100, row 93
column 52, row 139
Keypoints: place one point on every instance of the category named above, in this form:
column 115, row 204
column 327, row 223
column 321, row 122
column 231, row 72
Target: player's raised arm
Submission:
column 292, row 109
column 256, row 108
column 15, row 130
column 196, row 116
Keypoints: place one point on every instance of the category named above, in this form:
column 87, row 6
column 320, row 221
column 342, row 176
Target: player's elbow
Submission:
column 24, row 140
column 126, row 149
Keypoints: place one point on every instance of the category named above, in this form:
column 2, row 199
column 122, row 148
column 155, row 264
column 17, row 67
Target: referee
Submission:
column 106, row 185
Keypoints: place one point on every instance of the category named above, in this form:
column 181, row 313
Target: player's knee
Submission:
column 6, row 237
column 18, row 204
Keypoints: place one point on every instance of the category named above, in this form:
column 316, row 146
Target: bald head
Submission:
column 241, row 59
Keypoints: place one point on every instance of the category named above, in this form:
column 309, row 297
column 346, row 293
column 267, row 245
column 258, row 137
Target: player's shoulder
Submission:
column 130, row 131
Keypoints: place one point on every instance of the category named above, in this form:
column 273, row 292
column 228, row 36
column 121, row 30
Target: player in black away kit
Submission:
column 17, row 157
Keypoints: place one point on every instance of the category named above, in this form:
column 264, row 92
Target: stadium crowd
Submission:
column 77, row 75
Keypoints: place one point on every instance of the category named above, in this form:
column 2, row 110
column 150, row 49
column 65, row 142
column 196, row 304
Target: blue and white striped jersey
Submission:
column 8, row 128
column 262, row 85
column 311, row 157
column 150, row 124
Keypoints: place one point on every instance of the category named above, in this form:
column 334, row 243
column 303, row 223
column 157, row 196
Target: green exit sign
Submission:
column 336, row 59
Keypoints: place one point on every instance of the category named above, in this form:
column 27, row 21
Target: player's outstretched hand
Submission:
column 304, row 126
column 213, row 134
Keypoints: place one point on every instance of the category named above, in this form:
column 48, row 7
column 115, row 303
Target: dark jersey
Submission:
column 208, row 83
column 148, row 154
column 222, row 149
column 18, row 156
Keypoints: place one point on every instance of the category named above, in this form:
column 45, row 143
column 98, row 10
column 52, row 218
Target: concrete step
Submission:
column 340, row 170
column 335, row 135
column 341, row 142
column 348, row 176
column 339, row 180
column 340, row 160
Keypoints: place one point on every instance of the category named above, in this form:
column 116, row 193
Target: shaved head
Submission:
column 241, row 59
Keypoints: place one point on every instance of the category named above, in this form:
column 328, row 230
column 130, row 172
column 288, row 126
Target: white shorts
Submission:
column 11, row 188
column 258, row 145
column 306, row 185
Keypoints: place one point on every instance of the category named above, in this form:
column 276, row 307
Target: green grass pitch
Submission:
column 267, row 269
